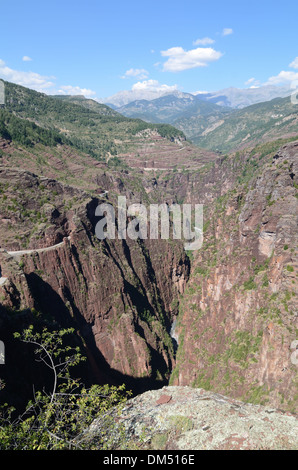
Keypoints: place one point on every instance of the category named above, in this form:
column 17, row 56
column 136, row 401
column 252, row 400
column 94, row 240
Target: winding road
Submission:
column 17, row 254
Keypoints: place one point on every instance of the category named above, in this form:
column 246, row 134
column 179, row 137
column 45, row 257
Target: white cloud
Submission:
column 141, row 74
column 203, row 42
column 199, row 92
column 253, row 82
column 282, row 77
column 39, row 82
column 76, row 90
column 227, row 31
column 179, row 59
column 27, row 79
column 26, row 58
column 294, row 64
column 153, row 85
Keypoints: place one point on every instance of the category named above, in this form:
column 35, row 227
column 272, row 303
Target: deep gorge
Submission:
column 233, row 300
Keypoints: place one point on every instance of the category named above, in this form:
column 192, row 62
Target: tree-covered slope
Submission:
column 88, row 103
column 100, row 135
column 252, row 125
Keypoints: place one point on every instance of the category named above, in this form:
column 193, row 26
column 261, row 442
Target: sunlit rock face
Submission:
column 238, row 316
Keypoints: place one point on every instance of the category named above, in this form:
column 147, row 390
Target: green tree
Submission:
column 4, row 133
column 60, row 418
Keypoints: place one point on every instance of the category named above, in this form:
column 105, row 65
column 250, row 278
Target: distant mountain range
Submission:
column 223, row 120
column 240, row 98
column 171, row 108
column 231, row 97
column 96, row 128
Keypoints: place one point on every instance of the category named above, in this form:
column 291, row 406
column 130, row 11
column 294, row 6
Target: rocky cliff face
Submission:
column 238, row 317
column 121, row 295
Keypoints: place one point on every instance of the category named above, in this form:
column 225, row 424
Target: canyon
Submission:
column 146, row 312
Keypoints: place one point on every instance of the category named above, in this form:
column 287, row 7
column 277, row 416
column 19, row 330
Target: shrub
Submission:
column 60, row 419
column 249, row 284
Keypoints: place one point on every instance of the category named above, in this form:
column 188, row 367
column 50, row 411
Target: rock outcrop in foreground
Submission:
column 185, row 418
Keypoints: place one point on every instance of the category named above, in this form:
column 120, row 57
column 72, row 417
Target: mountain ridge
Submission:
column 231, row 97
column 217, row 127
column 170, row 108
column 260, row 122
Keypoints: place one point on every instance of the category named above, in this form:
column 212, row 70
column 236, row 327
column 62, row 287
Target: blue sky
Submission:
column 101, row 47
